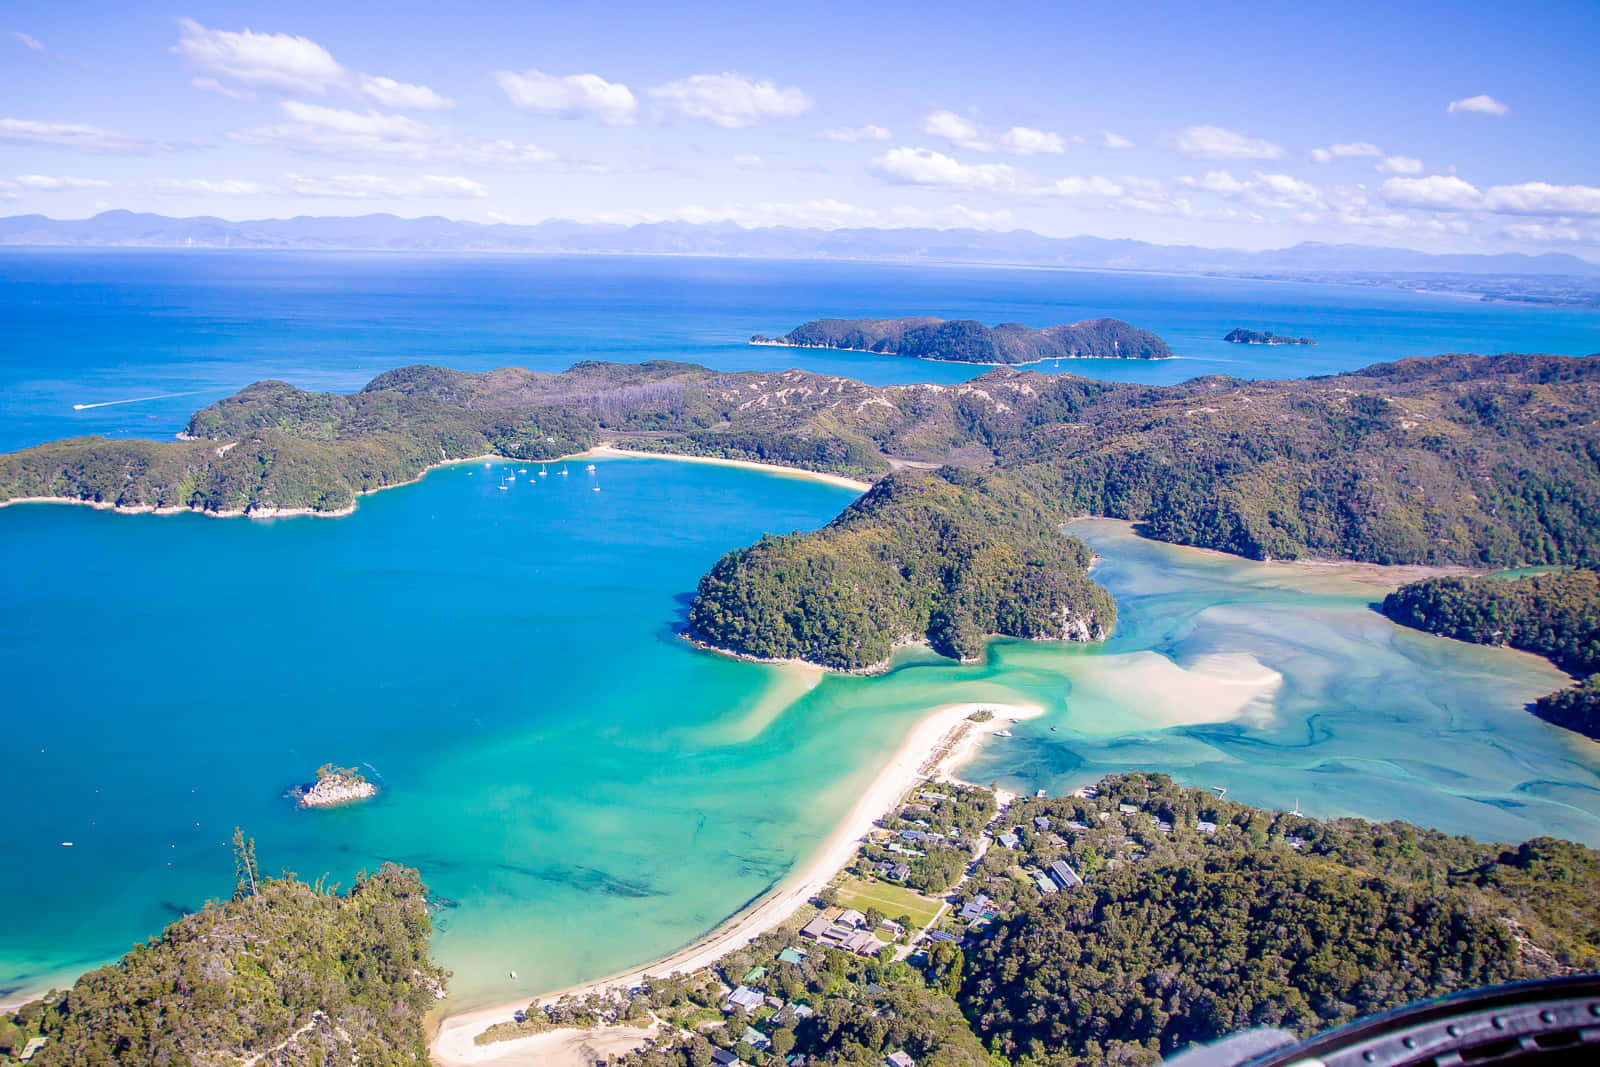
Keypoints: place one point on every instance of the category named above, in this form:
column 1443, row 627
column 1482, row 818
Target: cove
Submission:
column 587, row 791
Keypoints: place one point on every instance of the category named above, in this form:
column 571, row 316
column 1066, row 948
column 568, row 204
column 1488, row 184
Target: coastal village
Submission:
column 925, row 885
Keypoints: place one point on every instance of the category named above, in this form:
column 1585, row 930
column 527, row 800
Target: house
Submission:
column 1206, row 827
column 723, row 1058
column 790, row 955
column 802, row 1011
column 941, row 936
column 775, row 1003
column 756, row 1039
column 852, row 918
column 31, row 1049
column 1074, row 824
column 1064, row 876
column 1294, row 842
column 744, row 997
column 816, row 928
column 900, row 873
column 1009, row 840
column 1161, row 824
column 1044, row 883
column 862, row 943
column 1041, row 823
column 975, row 908
column 898, row 1058
column 1127, row 809
column 754, row 974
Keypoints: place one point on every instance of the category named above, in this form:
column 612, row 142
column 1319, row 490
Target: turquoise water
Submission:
column 588, row 790
column 91, row 327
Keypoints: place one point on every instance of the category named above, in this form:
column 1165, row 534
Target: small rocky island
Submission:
column 966, row 341
column 1242, row 336
column 334, row 786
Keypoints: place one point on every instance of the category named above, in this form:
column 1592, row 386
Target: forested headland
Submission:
column 948, row 558
column 283, row 973
column 1554, row 615
column 966, row 341
column 1481, row 461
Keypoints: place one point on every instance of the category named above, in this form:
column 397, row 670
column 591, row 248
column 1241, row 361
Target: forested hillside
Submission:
column 948, row 557
column 1475, row 460
column 966, row 341
column 1555, row 615
column 282, row 974
column 1198, row 917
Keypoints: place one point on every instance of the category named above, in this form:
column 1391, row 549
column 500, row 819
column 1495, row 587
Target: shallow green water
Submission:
column 590, row 791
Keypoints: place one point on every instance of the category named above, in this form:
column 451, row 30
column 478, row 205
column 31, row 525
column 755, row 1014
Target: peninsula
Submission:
column 1476, row 461
column 966, row 341
column 1251, row 337
column 1553, row 615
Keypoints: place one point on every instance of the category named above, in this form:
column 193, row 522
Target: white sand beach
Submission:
column 611, row 451
column 939, row 743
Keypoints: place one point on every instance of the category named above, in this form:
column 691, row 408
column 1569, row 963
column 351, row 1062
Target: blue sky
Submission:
column 1465, row 126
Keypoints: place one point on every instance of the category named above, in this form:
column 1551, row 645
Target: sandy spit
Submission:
column 941, row 741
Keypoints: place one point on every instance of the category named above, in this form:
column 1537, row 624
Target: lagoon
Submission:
column 586, row 789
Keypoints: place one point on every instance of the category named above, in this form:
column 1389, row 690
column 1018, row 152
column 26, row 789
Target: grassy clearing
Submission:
column 894, row 901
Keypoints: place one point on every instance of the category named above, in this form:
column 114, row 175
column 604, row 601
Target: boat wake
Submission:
column 137, row 399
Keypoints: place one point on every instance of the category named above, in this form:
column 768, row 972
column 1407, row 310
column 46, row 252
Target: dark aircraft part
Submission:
column 1549, row 1023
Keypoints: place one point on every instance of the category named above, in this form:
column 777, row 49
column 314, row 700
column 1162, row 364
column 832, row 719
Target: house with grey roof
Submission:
column 1064, row 876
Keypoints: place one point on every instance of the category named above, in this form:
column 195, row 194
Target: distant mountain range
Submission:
column 1014, row 247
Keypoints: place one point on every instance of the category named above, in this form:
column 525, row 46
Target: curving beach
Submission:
column 941, row 741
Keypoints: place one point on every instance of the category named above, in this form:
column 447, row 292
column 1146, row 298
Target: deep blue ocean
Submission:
column 96, row 327
column 587, row 790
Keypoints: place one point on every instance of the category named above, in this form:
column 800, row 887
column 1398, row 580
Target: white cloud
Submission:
column 959, row 131
column 206, row 187
column 335, row 132
column 730, row 100
column 854, row 134
column 953, row 216
column 1115, row 140
column 211, row 85
column 1545, row 233
column 747, row 159
column 1215, row 142
column 1347, row 150
column 1443, row 192
column 403, row 97
column 1542, row 198
column 1282, row 190
column 1092, row 186
column 1023, row 141
column 33, row 44
column 920, row 166
column 50, row 183
column 575, row 96
column 75, row 136
column 374, row 187
column 1482, row 104
column 1399, row 165
column 264, row 60
column 1215, row 181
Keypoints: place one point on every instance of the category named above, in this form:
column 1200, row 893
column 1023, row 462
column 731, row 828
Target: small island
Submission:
column 966, row 341
column 1242, row 336
column 334, row 786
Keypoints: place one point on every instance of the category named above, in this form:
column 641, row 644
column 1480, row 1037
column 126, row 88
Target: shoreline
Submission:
column 599, row 451
column 941, row 741
column 958, row 362
column 606, row 450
